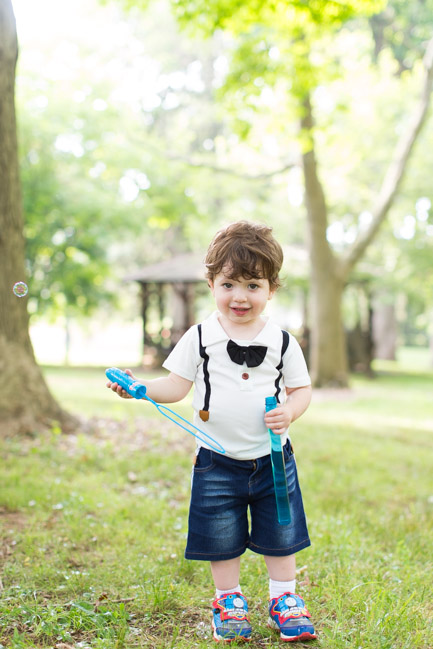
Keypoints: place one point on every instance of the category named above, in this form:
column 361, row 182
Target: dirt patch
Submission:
column 11, row 523
column 138, row 434
column 12, row 520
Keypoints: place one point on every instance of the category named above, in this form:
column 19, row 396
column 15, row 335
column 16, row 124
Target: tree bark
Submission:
column 25, row 401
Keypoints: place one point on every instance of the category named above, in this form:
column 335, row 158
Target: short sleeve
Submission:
column 295, row 371
column 185, row 357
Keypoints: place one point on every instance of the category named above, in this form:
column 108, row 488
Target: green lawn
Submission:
column 94, row 523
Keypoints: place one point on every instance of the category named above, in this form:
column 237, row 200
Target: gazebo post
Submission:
column 161, row 310
column 189, row 304
column 144, row 305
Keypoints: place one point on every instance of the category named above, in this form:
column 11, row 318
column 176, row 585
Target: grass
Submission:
column 94, row 523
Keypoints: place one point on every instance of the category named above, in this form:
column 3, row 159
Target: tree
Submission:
column 330, row 273
column 25, row 401
column 285, row 43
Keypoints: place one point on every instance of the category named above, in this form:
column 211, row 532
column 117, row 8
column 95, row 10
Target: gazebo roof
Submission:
column 190, row 268
column 181, row 268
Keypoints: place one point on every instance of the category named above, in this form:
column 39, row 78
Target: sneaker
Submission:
column 289, row 615
column 230, row 618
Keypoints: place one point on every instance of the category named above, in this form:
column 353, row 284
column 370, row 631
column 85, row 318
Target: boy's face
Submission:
column 240, row 300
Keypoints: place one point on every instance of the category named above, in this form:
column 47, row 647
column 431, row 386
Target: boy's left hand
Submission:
column 279, row 419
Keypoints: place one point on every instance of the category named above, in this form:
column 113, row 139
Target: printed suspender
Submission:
column 286, row 339
column 204, row 414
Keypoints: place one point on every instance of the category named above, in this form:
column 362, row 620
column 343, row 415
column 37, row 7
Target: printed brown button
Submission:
column 245, row 376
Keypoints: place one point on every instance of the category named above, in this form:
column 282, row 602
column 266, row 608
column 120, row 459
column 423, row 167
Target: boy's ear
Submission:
column 210, row 284
column 272, row 292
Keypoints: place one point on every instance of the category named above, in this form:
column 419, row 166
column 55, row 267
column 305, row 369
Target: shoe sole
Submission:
column 306, row 635
column 219, row 638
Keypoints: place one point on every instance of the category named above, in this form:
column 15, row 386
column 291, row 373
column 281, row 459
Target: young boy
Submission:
column 235, row 359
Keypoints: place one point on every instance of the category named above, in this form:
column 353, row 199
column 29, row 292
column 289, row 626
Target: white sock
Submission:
column 278, row 588
column 220, row 593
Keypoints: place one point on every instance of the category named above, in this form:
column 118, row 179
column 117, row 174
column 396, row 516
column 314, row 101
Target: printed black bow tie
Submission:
column 252, row 355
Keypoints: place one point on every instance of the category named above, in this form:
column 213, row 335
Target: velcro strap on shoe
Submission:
column 292, row 613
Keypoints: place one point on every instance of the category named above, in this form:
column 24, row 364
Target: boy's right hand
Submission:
column 118, row 388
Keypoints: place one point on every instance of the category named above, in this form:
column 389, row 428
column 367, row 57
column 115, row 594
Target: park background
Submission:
column 142, row 128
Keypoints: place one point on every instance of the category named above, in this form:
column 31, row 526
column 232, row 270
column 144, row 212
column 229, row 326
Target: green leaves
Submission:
column 403, row 27
column 237, row 16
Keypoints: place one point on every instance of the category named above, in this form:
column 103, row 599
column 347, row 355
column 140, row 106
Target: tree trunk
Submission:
column 25, row 401
column 384, row 329
column 328, row 357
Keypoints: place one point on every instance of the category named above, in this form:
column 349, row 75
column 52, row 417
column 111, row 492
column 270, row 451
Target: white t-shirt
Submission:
column 238, row 392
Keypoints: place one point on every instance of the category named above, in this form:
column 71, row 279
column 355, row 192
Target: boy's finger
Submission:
column 273, row 416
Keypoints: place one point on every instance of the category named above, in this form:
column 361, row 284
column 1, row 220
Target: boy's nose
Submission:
column 240, row 295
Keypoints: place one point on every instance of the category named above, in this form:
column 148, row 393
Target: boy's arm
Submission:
column 298, row 400
column 165, row 389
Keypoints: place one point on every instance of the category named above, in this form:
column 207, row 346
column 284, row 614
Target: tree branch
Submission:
column 232, row 172
column 396, row 169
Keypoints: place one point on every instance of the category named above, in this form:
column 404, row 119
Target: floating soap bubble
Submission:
column 20, row 289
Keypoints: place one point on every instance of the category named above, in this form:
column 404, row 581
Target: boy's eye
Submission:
column 253, row 286
column 227, row 285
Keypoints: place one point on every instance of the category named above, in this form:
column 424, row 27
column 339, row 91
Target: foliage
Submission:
column 94, row 524
column 404, row 27
column 70, row 215
column 66, row 228
column 209, row 15
column 110, row 179
column 93, row 177
column 271, row 40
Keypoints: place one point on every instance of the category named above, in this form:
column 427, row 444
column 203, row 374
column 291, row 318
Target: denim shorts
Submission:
column 224, row 491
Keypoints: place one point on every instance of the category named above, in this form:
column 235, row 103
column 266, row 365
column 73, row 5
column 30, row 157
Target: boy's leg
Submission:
column 287, row 611
column 230, row 609
column 281, row 568
column 282, row 575
column 226, row 574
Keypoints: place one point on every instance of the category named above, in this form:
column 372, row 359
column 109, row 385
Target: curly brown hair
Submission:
column 245, row 249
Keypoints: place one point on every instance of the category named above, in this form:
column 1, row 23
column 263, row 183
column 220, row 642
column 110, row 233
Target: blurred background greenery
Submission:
column 138, row 138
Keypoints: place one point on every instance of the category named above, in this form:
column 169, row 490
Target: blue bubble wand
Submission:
column 278, row 470
column 138, row 391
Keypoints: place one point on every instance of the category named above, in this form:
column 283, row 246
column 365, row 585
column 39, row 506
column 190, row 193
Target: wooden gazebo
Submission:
column 168, row 297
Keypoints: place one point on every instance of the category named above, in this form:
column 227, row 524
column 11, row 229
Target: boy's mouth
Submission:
column 239, row 310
